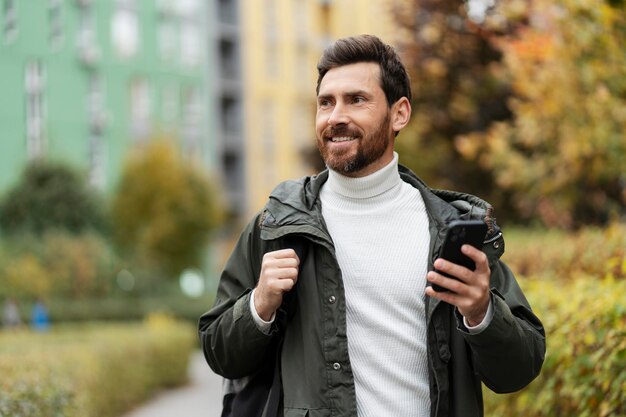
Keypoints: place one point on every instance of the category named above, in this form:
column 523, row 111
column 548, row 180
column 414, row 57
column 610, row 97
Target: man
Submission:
column 366, row 334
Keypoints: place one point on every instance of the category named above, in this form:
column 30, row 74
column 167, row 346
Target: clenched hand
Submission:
column 279, row 273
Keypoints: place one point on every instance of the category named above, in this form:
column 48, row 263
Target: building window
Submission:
column 87, row 45
column 227, row 11
column 231, row 116
column 229, row 58
column 192, row 125
column 125, row 28
column 190, row 44
column 9, row 21
column 190, row 33
column 55, row 20
column 170, row 107
column 97, row 123
column 34, row 84
column 271, row 39
column 269, row 133
column 168, row 37
column 140, row 109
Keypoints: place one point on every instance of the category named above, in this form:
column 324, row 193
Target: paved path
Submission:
column 202, row 397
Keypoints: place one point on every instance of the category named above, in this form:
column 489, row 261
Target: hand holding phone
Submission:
column 461, row 232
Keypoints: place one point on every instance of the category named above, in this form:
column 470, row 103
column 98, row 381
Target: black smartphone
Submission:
column 461, row 232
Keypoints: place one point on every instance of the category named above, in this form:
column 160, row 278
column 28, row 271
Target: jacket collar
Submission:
column 299, row 199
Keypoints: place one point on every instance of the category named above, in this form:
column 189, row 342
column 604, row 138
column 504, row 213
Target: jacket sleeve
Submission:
column 233, row 345
column 509, row 353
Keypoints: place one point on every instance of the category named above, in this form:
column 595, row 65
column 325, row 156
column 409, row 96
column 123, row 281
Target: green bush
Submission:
column 559, row 255
column 576, row 284
column 128, row 308
column 91, row 371
column 51, row 196
column 56, row 264
column 584, row 374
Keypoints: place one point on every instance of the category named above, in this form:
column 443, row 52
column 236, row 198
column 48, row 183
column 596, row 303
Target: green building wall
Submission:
column 69, row 70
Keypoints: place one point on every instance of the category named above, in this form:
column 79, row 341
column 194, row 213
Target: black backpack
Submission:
column 261, row 394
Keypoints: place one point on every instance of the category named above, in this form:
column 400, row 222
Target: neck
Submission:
column 367, row 186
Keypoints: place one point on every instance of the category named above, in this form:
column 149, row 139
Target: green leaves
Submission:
column 51, row 196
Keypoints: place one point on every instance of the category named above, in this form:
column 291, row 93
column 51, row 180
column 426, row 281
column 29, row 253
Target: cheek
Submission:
column 320, row 126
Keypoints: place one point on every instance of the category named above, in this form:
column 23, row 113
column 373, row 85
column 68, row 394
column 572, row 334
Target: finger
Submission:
column 453, row 269
column 479, row 257
column 270, row 261
column 286, row 284
column 451, row 284
column 282, row 253
column 271, row 272
column 448, row 297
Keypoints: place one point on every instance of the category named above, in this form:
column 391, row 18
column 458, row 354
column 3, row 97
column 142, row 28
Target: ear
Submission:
column 400, row 114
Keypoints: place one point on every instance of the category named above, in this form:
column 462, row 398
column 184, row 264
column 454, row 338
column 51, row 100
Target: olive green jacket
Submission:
column 316, row 373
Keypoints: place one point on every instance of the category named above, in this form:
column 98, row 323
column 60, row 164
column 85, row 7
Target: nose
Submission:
column 338, row 115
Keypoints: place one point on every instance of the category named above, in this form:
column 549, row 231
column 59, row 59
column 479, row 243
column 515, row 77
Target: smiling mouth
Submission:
column 342, row 139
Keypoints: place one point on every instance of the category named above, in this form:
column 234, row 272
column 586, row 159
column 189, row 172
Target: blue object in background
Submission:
column 39, row 319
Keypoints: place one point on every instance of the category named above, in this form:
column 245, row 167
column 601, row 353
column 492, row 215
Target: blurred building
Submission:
column 232, row 80
column 227, row 100
column 85, row 80
column 282, row 41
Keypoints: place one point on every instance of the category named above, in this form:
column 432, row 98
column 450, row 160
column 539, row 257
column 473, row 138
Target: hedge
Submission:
column 576, row 284
column 95, row 370
column 128, row 308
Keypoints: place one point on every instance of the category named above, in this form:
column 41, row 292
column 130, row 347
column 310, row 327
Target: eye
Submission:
column 324, row 102
column 358, row 99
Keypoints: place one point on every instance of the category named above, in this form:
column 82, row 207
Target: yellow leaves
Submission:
column 430, row 33
column 164, row 208
column 585, row 371
column 26, row 276
column 435, row 67
column 565, row 149
column 159, row 321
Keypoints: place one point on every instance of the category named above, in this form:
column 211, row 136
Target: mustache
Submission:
column 333, row 131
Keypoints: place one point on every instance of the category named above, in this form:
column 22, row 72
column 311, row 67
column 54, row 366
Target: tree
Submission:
column 51, row 196
column 456, row 90
column 563, row 155
column 164, row 209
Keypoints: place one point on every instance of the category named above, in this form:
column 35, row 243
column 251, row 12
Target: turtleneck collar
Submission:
column 369, row 186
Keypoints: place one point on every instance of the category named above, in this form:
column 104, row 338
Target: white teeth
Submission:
column 342, row 139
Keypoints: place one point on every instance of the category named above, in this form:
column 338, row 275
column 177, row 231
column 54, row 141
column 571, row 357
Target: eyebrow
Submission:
column 346, row 94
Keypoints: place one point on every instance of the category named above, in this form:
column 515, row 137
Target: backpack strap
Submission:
column 262, row 394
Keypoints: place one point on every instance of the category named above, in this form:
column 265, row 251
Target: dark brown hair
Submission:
column 368, row 48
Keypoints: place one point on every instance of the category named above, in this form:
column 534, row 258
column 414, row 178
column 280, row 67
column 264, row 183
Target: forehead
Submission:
column 352, row 77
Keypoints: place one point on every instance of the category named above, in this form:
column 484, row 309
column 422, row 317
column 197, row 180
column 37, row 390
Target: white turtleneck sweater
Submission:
column 379, row 227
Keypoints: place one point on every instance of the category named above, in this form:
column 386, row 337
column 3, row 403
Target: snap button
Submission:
column 336, row 366
column 496, row 244
column 332, row 299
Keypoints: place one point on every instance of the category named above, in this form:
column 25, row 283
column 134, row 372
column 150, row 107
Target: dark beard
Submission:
column 371, row 149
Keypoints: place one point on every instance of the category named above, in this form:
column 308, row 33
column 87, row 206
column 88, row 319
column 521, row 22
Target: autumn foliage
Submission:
column 555, row 151
column 163, row 210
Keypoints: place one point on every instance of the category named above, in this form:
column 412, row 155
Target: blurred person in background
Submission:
column 11, row 318
column 39, row 316
column 348, row 312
